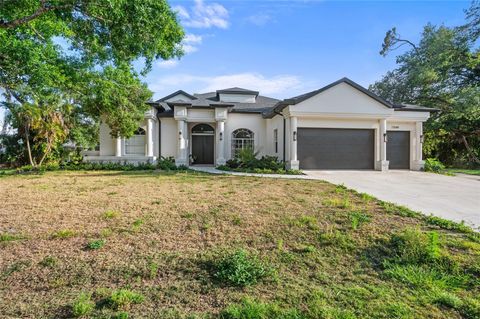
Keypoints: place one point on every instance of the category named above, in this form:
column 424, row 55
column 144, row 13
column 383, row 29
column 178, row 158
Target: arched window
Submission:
column 202, row 129
column 135, row 145
column 242, row 139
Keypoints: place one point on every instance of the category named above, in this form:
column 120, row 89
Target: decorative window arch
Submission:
column 135, row 145
column 242, row 138
column 202, row 129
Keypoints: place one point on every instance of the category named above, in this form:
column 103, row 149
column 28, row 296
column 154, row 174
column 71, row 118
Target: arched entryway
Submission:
column 203, row 144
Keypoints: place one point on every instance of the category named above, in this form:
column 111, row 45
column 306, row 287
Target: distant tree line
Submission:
column 441, row 71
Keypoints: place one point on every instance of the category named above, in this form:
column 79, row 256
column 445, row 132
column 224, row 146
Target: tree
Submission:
column 441, row 71
column 72, row 61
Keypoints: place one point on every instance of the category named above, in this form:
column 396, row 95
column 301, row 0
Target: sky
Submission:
column 286, row 48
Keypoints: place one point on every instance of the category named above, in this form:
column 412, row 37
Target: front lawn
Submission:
column 145, row 244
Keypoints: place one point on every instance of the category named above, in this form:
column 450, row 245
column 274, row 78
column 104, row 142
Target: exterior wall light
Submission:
column 385, row 137
column 221, row 136
column 422, row 138
column 294, row 135
column 179, row 135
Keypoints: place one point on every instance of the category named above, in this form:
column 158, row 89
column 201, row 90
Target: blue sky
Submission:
column 285, row 48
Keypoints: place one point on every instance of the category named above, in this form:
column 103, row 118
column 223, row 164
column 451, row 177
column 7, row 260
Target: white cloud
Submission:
column 190, row 41
column 192, row 38
column 204, row 15
column 167, row 64
column 259, row 19
column 181, row 11
column 280, row 85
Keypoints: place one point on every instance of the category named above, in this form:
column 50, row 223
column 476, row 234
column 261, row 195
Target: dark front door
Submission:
column 398, row 149
column 330, row 148
column 202, row 149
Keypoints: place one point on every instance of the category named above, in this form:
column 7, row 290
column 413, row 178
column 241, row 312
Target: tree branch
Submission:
column 44, row 8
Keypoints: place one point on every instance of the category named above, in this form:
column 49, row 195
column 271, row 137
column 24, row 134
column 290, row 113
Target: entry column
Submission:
column 292, row 136
column 382, row 164
column 181, row 158
column 118, row 147
column 149, row 136
column 220, row 143
column 418, row 162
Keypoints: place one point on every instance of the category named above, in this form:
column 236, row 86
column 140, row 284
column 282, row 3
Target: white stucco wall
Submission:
column 272, row 124
column 169, row 137
column 107, row 143
column 344, row 99
column 241, row 98
column 253, row 122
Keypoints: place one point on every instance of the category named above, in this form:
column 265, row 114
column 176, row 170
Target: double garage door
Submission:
column 331, row 148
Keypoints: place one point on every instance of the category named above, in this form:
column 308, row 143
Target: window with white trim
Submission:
column 275, row 140
column 135, row 145
column 242, row 138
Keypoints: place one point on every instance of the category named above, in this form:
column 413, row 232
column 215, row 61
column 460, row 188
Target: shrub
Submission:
column 247, row 161
column 433, row 165
column 96, row 244
column 240, row 269
column 83, row 305
column 123, row 298
column 166, row 164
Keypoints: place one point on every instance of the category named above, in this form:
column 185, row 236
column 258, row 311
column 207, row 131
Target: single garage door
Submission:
column 398, row 149
column 328, row 148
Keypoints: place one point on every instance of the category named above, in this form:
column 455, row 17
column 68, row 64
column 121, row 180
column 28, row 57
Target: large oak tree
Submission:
column 64, row 63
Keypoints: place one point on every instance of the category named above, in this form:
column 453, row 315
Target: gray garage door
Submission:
column 326, row 148
column 398, row 149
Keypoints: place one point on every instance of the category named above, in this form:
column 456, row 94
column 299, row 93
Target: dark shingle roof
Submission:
column 413, row 107
column 174, row 94
column 268, row 106
column 211, row 100
column 237, row 90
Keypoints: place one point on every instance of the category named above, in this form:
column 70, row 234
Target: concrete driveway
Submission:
column 452, row 197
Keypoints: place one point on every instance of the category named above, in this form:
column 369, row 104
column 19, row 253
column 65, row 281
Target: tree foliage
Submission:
column 69, row 63
column 441, row 71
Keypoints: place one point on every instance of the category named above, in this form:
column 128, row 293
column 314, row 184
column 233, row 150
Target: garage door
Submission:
column 326, row 148
column 398, row 149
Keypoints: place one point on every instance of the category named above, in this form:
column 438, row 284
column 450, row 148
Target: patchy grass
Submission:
column 191, row 245
column 462, row 171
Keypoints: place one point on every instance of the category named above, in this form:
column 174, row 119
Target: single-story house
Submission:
column 340, row 126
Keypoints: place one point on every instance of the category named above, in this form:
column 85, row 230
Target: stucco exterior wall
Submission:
column 254, row 122
column 343, row 99
column 107, row 143
column 243, row 98
column 169, row 137
column 272, row 124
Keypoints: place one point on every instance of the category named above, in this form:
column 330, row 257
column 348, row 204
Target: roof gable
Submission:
column 303, row 97
column 179, row 95
column 341, row 98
